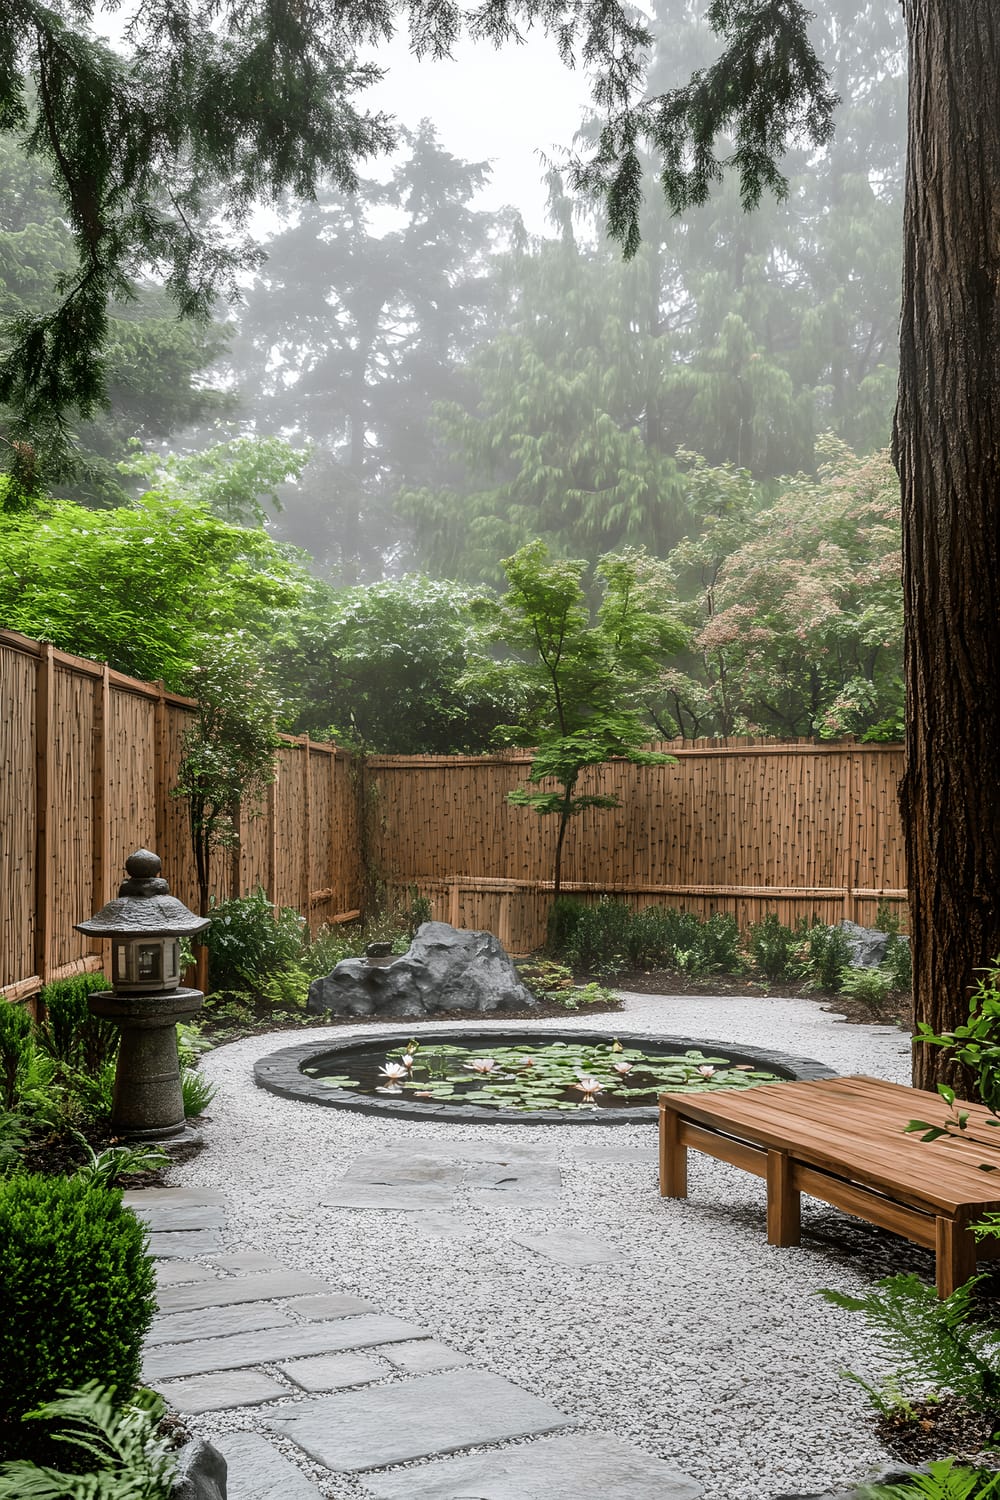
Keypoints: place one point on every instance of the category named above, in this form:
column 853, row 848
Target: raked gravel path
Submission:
column 568, row 1316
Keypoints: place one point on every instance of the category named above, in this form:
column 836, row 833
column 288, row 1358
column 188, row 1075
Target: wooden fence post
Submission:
column 305, row 880
column 161, row 743
column 101, row 872
column 44, row 813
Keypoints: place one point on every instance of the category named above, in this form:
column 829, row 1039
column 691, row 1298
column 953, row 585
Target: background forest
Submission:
column 329, row 475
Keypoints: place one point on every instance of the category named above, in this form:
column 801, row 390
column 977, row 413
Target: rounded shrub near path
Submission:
column 78, row 1295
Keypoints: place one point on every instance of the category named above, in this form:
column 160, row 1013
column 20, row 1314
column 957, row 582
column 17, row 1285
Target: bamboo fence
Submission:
column 742, row 826
column 91, row 758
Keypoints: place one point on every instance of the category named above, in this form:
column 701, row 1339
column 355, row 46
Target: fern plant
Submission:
column 937, row 1342
column 944, row 1480
column 117, row 1446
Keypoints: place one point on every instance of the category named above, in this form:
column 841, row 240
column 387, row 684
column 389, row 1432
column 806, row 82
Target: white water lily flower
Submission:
column 393, row 1072
column 622, row 1067
column 706, row 1070
column 407, row 1059
column 482, row 1064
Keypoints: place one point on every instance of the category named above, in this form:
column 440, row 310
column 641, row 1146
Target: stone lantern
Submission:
column 144, row 924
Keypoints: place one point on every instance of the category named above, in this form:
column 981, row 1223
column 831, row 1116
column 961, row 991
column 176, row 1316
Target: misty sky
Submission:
column 505, row 106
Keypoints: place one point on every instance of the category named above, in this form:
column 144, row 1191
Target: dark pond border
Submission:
column 281, row 1073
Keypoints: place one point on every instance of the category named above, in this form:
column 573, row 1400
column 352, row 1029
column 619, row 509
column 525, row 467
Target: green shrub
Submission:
column 563, row 919
column 946, row 1479
column 898, row 963
column 69, row 1033
column 825, row 952
column 599, row 941
column 15, row 1047
column 77, row 1291
column 870, row 986
column 117, row 1448
column 717, row 947
column 247, row 942
column 772, row 947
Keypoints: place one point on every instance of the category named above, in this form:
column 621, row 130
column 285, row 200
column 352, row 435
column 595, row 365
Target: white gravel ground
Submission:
column 701, row 1344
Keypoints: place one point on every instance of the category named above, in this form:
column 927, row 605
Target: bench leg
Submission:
column 956, row 1255
column 783, row 1224
column 673, row 1156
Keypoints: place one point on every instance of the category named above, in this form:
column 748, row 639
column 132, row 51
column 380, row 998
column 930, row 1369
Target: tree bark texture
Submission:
column 947, row 450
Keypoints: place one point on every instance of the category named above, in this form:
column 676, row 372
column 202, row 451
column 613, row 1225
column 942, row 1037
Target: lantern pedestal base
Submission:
column 148, row 1103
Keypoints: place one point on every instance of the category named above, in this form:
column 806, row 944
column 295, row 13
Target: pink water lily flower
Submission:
column 482, row 1064
column 706, row 1070
column 588, row 1085
column 407, row 1059
column 622, row 1067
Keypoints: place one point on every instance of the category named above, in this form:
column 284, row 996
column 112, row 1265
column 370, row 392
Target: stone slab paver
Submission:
column 220, row 1392
column 257, row 1471
column 587, row 1466
column 418, row 1418
column 331, row 1305
column 391, row 1199
column 424, row 1356
column 334, row 1372
column 272, row 1346
column 441, row 1226
column 177, row 1197
column 176, row 1272
column 215, row 1322
column 243, row 1261
column 459, row 1150
column 180, row 1216
column 392, row 1169
column 198, row 1242
column 613, row 1155
column 224, row 1291
column 569, row 1248
column 516, row 1185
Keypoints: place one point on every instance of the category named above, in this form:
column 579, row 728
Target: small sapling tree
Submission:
column 228, row 759
column 585, row 670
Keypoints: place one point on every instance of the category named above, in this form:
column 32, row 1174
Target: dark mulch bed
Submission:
column 939, row 1429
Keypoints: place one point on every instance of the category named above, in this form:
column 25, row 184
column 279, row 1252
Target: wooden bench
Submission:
column 842, row 1140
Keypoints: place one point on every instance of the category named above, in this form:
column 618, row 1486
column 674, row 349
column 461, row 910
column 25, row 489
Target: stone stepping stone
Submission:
column 257, row 1471
column 334, row 1305
column 244, row 1261
column 423, row 1356
column 215, row 1322
column 178, row 1216
column 392, row 1169
column 219, row 1392
column 441, row 1226
column 178, row 1197
column 391, row 1199
column 459, row 1150
column 520, row 1185
column 177, row 1272
column 587, row 1466
column 223, row 1292
column 569, row 1248
column 334, row 1372
column 612, row 1154
column 200, row 1242
column 417, row 1418
column 273, row 1346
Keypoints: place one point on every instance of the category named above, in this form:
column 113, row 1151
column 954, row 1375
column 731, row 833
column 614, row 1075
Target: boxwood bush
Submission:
column 77, row 1296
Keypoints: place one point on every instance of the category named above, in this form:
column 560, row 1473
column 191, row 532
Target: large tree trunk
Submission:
column 947, row 448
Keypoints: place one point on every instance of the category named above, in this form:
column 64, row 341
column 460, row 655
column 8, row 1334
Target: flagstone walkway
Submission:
column 345, row 1389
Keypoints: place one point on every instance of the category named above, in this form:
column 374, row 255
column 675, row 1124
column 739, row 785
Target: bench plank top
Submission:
column 854, row 1127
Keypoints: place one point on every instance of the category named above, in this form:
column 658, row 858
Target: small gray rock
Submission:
column 445, row 969
column 200, row 1473
column 867, row 945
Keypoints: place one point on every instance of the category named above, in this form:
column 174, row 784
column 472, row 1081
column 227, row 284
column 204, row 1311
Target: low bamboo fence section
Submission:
column 744, row 826
column 91, row 757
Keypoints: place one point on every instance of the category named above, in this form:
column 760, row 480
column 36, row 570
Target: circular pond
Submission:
column 536, row 1077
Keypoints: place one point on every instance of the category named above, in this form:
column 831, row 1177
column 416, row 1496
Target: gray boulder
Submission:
column 868, row 946
column 200, row 1473
column 444, row 969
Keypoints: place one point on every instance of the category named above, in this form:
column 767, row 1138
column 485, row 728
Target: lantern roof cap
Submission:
column 144, row 906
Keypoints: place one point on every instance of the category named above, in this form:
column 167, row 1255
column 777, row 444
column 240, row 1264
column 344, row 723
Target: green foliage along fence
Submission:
column 739, row 825
column 90, row 757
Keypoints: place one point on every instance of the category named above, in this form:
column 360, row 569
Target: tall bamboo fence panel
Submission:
column 743, row 826
column 91, row 757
